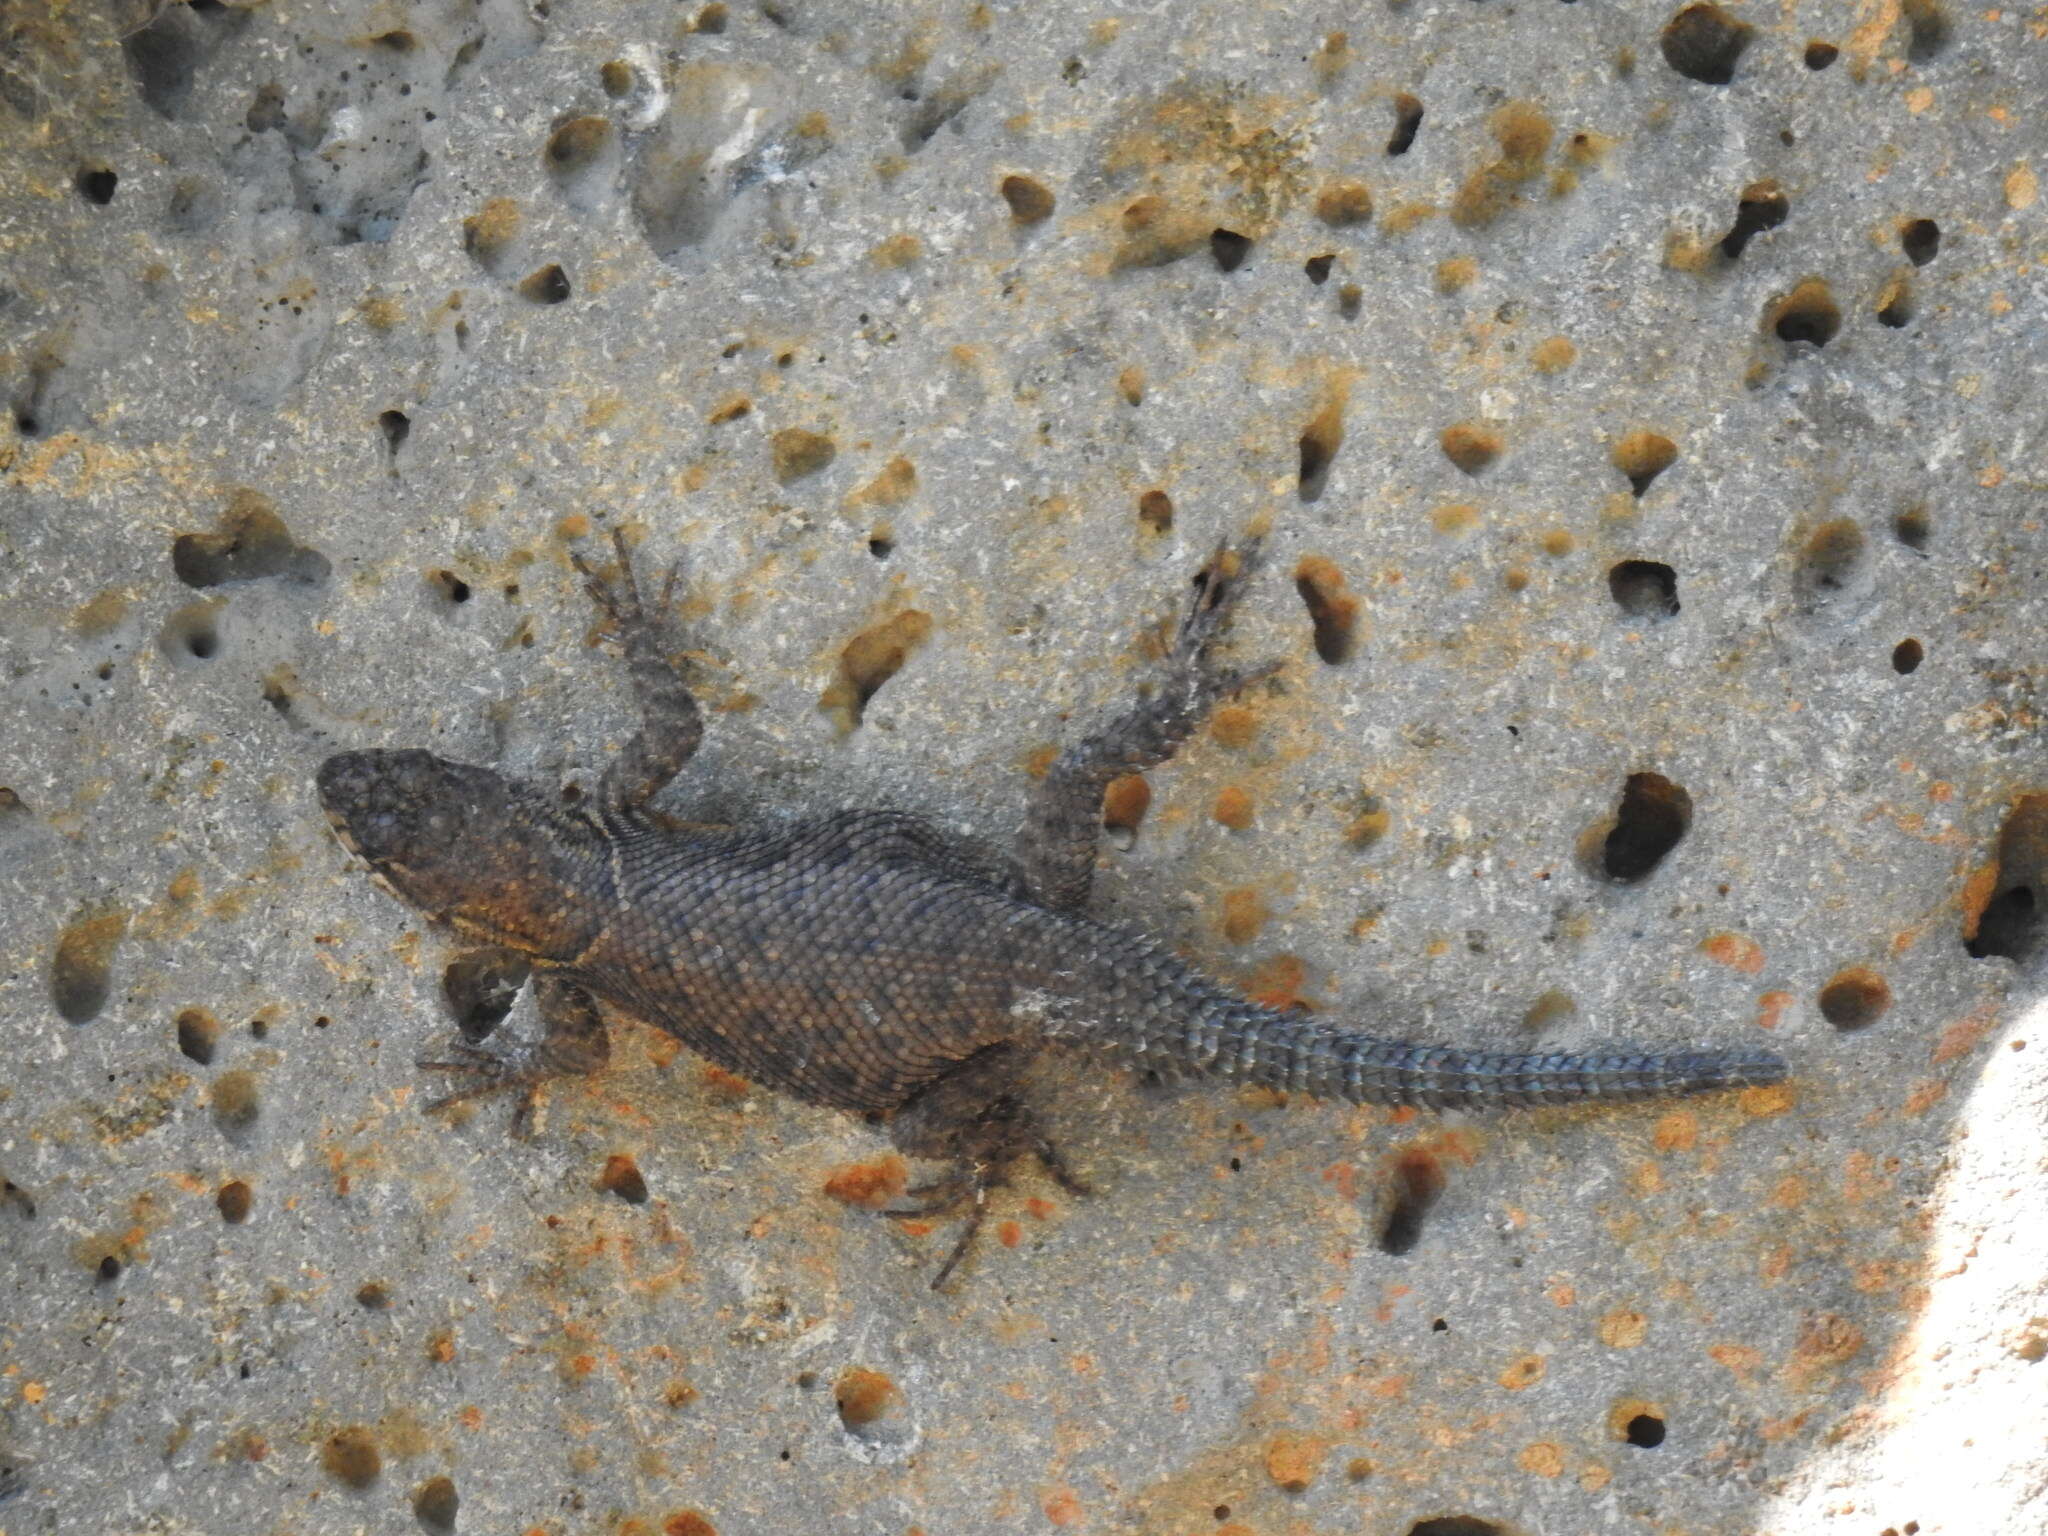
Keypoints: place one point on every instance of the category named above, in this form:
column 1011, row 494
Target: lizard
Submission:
column 870, row 962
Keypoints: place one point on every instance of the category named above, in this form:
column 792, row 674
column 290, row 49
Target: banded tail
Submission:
column 1240, row 1040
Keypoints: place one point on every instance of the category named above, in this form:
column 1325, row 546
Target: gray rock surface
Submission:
column 1648, row 412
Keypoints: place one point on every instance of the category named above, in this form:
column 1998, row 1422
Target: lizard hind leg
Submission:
column 974, row 1120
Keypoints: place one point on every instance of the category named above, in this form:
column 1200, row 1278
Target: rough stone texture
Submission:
column 944, row 340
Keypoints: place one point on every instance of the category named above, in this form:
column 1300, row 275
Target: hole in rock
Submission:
column 1703, row 42
column 1854, row 998
column 1644, row 589
column 1418, row 1181
column 1654, row 814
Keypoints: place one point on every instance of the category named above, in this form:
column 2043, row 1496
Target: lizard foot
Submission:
column 519, row 1069
column 1219, row 586
column 618, row 596
column 985, row 1150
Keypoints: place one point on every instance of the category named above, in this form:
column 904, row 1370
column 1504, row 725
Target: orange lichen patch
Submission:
column 1676, row 1131
column 1771, row 1008
column 2022, row 187
column 1523, row 130
column 1455, row 274
column 1963, row 1036
column 869, row 1185
column 1332, row 607
column 798, row 452
column 1125, row 802
column 1553, row 355
column 1244, row 914
column 1739, row 1358
column 1293, row 1460
column 1588, row 147
column 890, row 488
column 1344, row 203
column 1062, row 1506
column 1545, row 1458
column 1156, row 232
column 1278, row 983
column 574, row 526
column 1975, row 897
column 721, row 1084
column 1471, row 445
column 1009, row 1234
column 1454, row 519
column 1481, row 198
column 441, row 1346
column 1234, row 725
column 864, row 1396
column 350, row 1457
column 1925, row 1096
column 1037, row 763
column 1233, row 807
column 1736, row 951
column 870, row 659
column 1775, row 1099
column 687, row 1522
column 488, row 234
column 899, row 250
column 1623, row 1329
column 1523, row 1373
column 1643, row 456
column 1131, row 385
column 1826, row 1340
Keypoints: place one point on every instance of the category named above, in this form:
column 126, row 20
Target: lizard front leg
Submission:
column 573, row 1044
column 1064, row 824
column 974, row 1119
column 671, row 725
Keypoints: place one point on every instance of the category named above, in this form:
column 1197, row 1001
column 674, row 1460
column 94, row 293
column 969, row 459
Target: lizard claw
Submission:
column 618, row 595
column 1218, row 586
column 490, row 1073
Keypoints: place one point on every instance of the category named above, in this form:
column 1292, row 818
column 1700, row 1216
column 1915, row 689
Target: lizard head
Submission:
column 486, row 855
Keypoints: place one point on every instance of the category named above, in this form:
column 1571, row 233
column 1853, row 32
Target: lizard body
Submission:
column 869, row 963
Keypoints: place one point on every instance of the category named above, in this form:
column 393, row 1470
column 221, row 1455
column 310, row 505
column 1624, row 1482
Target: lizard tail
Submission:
column 1240, row 1040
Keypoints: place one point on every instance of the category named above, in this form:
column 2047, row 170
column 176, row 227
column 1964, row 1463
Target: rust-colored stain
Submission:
column 869, row 1185
column 1523, row 1373
column 1736, row 951
column 1125, row 802
column 1233, row 808
column 1244, row 914
column 1826, row 1340
column 1062, row 1506
column 1964, row 1035
column 1278, row 982
column 1543, row 1458
column 1234, row 726
column 1925, row 1096
column 1293, row 1460
column 1624, row 1328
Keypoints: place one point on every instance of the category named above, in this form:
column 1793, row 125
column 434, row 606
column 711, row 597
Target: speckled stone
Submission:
column 1653, row 464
